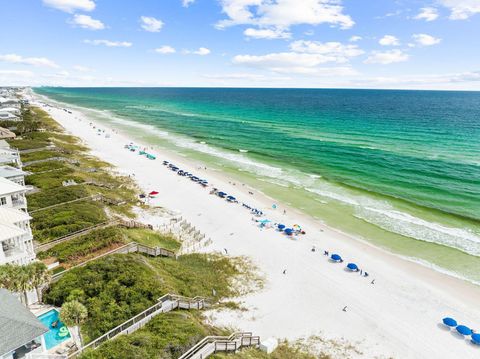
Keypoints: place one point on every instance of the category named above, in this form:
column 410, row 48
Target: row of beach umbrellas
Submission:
column 462, row 329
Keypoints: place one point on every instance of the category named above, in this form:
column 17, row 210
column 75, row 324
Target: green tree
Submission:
column 40, row 276
column 73, row 314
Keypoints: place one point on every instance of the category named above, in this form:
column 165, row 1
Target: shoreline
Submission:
column 305, row 270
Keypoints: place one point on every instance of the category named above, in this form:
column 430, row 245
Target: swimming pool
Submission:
column 56, row 335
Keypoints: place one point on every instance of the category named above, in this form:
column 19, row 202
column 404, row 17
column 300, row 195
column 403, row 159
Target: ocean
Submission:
column 399, row 169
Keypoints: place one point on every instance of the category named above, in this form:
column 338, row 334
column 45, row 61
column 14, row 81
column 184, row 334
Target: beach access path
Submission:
column 399, row 316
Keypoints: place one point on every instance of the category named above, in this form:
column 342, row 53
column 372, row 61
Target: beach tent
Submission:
column 450, row 322
column 336, row 257
column 352, row 266
column 281, row 227
column 476, row 338
column 288, row 231
column 464, row 330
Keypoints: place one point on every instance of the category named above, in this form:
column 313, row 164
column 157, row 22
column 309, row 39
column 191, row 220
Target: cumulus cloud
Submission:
column 87, row 22
column 389, row 40
column 425, row 40
column 165, row 50
column 70, row 6
column 305, row 57
column 427, row 14
column 202, row 51
column 337, row 51
column 34, row 61
column 355, row 38
column 278, row 16
column 387, row 57
column 108, row 43
column 461, row 9
column 187, row 3
column 151, row 24
column 267, row 33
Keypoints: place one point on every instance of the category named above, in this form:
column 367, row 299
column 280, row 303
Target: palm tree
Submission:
column 73, row 314
column 40, row 276
column 25, row 274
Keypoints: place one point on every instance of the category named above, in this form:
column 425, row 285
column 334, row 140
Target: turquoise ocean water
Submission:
column 400, row 169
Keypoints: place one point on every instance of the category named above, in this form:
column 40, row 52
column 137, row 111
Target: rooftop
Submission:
column 12, row 215
column 8, row 231
column 7, row 187
column 9, row 171
column 18, row 325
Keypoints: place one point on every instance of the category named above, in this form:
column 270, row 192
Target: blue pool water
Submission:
column 52, row 337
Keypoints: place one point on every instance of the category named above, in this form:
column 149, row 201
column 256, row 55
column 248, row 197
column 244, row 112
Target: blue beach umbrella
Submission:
column 281, row 227
column 476, row 338
column 336, row 257
column 450, row 322
column 288, row 231
column 464, row 330
column 352, row 266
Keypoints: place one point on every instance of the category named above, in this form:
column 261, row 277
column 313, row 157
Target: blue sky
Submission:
column 256, row 43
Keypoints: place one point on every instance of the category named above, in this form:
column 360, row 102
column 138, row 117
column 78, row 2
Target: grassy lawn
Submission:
column 151, row 238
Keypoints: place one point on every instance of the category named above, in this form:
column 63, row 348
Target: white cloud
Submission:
column 425, row 40
column 71, row 6
column 387, row 57
column 202, row 51
column 81, row 68
column 34, row 61
column 279, row 15
column 267, row 33
column 87, row 22
column 355, row 38
column 337, row 51
column 389, row 40
column 15, row 73
column 305, row 57
column 187, row 3
column 165, row 50
column 108, row 43
column 151, row 24
column 461, row 9
column 427, row 14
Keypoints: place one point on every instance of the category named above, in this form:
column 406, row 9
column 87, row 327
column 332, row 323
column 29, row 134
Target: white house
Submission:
column 14, row 110
column 13, row 174
column 20, row 331
column 12, row 195
column 16, row 240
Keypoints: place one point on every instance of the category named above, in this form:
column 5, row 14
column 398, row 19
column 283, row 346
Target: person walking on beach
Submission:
column 361, row 271
column 344, row 308
column 325, row 253
column 284, row 271
column 225, row 249
column 373, row 281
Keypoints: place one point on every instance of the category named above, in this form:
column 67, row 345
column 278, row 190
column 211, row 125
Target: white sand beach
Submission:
column 398, row 316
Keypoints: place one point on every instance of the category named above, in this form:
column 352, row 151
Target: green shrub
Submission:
column 82, row 246
column 51, row 196
column 59, row 221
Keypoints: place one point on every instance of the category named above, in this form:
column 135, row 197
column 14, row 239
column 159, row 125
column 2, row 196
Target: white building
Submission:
column 20, row 331
column 16, row 240
column 8, row 116
column 13, row 174
column 12, row 195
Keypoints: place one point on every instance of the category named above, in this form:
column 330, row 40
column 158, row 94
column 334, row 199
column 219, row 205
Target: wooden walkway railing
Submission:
column 166, row 303
column 213, row 344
